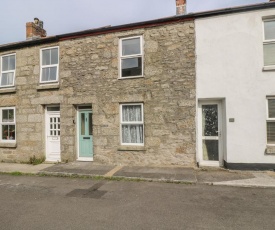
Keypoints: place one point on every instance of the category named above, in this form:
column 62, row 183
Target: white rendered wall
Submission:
column 229, row 52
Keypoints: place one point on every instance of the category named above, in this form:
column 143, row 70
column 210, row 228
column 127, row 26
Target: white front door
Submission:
column 210, row 134
column 53, row 133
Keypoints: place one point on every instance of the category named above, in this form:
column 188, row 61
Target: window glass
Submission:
column 57, row 108
column 90, row 124
column 7, row 115
column 270, row 132
column 271, row 108
column 131, row 113
column 8, row 63
column 269, row 29
column 132, row 133
column 49, row 73
column 46, row 57
column 83, row 124
column 131, row 46
column 131, row 67
column 8, row 132
column 54, row 56
column 269, row 54
column 7, row 79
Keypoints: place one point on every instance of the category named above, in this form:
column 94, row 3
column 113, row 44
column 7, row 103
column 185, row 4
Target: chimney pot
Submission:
column 181, row 7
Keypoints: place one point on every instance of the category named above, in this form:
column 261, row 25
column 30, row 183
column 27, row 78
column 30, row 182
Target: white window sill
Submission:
column 269, row 68
column 7, row 90
column 124, row 78
column 44, row 86
column 131, row 148
column 8, row 145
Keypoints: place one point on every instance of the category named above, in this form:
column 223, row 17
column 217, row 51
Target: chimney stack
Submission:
column 181, row 7
column 34, row 30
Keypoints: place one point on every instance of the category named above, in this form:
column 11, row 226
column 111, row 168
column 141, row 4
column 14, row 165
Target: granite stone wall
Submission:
column 89, row 75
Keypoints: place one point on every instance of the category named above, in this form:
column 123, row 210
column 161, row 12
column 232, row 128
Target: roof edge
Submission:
column 136, row 25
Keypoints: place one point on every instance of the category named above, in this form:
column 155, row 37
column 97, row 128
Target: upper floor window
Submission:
column 131, row 57
column 7, row 70
column 49, row 65
column 7, row 120
column 269, row 43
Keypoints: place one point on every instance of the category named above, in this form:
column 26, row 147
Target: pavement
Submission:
column 174, row 174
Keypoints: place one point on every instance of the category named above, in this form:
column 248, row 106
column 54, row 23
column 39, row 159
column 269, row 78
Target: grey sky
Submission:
column 65, row 16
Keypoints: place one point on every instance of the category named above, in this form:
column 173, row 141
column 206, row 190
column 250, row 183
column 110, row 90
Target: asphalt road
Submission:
column 30, row 202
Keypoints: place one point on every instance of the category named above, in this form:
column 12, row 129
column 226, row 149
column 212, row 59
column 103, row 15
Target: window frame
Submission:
column 268, row 119
column 8, row 71
column 268, row 41
column 48, row 66
column 122, row 57
column 131, row 123
column 7, row 123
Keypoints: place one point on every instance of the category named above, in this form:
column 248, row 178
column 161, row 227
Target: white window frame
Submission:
column 132, row 123
column 47, row 66
column 7, row 123
column 268, row 119
column 8, row 71
column 266, row 42
column 121, row 57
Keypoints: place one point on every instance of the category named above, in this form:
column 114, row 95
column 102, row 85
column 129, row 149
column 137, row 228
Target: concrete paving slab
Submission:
column 158, row 173
column 209, row 176
column 261, row 180
column 23, row 168
column 82, row 168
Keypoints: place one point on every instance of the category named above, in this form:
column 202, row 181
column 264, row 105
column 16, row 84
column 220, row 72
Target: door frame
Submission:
column 79, row 109
column 200, row 160
column 47, row 113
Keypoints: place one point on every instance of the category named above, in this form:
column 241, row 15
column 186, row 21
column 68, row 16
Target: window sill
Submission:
column 131, row 148
column 47, row 86
column 125, row 78
column 270, row 150
column 269, row 68
column 7, row 90
column 8, row 145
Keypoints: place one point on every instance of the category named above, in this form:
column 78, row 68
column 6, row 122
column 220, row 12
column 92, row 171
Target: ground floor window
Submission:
column 131, row 123
column 7, row 118
column 270, row 123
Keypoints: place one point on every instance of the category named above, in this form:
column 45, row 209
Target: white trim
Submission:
column 47, row 113
column 267, row 42
column 219, row 137
column 85, row 159
column 8, row 71
column 122, row 57
column 133, row 123
column 47, row 66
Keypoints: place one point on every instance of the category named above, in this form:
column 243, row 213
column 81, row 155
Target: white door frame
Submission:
column 79, row 109
column 220, row 134
column 47, row 114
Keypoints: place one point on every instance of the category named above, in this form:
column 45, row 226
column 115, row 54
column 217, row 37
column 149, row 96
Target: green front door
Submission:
column 85, row 134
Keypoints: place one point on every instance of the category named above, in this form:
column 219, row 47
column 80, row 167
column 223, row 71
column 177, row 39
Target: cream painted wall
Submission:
column 229, row 65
